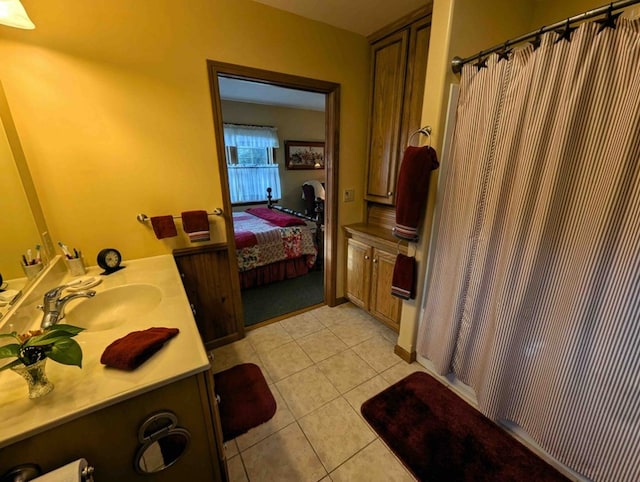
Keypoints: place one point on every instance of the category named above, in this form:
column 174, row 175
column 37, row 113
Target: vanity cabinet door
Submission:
column 358, row 273
column 384, row 305
column 208, row 283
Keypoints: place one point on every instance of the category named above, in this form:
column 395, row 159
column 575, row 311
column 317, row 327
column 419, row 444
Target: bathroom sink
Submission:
column 113, row 307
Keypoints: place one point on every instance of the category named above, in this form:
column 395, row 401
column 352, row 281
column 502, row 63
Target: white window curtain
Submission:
column 533, row 294
column 249, row 184
column 250, row 136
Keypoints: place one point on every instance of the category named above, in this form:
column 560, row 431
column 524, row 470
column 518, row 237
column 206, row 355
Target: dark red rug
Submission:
column 245, row 399
column 439, row 437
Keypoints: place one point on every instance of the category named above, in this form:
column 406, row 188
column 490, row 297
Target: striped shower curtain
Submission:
column 533, row 296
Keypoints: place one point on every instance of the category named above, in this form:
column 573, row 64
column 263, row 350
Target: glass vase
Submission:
column 36, row 378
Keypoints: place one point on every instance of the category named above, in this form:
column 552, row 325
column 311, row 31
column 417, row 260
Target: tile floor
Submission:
column 321, row 366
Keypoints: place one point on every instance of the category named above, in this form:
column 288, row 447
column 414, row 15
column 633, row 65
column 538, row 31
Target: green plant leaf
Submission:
column 47, row 339
column 7, row 351
column 67, row 352
column 13, row 334
column 72, row 330
column 53, row 335
column 14, row 363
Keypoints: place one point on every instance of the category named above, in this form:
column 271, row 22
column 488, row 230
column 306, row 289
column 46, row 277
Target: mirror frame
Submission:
column 28, row 185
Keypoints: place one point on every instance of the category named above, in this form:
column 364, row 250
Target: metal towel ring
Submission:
column 426, row 131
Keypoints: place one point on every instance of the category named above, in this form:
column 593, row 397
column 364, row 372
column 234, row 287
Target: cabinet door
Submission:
column 382, row 304
column 414, row 84
column 389, row 60
column 207, row 280
column 358, row 273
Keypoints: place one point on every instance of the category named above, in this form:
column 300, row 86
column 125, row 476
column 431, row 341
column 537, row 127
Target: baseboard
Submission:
column 404, row 354
column 340, row 301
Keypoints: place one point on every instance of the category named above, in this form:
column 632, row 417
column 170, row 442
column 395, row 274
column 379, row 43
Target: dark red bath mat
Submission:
column 245, row 399
column 439, row 437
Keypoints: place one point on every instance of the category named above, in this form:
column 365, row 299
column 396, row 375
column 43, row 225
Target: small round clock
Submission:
column 109, row 260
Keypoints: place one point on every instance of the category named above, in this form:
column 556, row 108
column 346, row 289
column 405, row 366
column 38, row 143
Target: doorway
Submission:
column 225, row 72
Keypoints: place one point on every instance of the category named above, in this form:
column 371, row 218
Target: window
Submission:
column 249, row 156
column 250, row 162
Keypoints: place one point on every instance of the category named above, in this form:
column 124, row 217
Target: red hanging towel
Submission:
column 164, row 226
column 196, row 225
column 404, row 277
column 412, row 189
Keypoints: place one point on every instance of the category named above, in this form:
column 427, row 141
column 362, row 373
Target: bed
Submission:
column 272, row 246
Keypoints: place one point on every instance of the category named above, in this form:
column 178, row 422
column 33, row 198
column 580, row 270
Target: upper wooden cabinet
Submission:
column 398, row 70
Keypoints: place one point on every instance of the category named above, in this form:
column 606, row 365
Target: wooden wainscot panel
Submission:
column 209, row 283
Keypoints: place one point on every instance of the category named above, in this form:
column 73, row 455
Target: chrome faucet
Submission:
column 53, row 306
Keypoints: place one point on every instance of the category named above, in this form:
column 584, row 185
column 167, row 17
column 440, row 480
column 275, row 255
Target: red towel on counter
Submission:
column 412, row 189
column 163, row 226
column 132, row 350
column 196, row 225
column 404, row 277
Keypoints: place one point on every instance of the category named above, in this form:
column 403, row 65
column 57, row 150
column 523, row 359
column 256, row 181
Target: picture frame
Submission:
column 304, row 154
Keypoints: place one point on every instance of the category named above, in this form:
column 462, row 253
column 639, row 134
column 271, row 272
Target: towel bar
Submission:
column 143, row 218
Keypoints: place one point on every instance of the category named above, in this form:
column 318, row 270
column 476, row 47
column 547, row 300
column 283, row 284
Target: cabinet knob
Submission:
column 193, row 308
column 375, row 260
column 366, row 256
column 390, row 193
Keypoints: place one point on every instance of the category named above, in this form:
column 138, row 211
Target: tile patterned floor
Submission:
column 321, row 366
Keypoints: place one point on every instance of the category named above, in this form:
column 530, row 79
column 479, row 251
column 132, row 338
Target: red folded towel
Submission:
column 163, row 226
column 412, row 189
column 275, row 217
column 404, row 275
column 132, row 350
column 196, row 225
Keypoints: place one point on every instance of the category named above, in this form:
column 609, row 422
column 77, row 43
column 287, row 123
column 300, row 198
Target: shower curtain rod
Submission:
column 457, row 62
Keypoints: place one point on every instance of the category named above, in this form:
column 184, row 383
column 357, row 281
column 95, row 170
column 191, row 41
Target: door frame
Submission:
column 331, row 91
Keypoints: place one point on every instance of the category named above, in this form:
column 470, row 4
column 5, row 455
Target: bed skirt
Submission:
column 281, row 270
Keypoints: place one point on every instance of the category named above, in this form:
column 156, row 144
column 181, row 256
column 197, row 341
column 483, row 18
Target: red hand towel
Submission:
column 196, row 225
column 163, row 226
column 132, row 350
column 412, row 189
column 404, row 274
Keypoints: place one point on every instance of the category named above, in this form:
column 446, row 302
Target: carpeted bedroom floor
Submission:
column 265, row 302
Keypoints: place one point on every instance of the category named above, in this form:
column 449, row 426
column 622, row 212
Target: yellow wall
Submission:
column 293, row 125
column 111, row 100
column 459, row 28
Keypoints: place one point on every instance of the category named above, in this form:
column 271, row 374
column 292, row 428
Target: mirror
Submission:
column 164, row 452
column 22, row 222
column 163, row 443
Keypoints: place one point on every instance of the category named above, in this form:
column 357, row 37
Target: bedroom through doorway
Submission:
column 275, row 136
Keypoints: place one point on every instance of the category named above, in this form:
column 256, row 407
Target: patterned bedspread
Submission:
column 260, row 242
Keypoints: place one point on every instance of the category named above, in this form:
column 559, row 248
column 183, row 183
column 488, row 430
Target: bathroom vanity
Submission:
column 108, row 416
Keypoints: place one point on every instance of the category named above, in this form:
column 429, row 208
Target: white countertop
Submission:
column 78, row 391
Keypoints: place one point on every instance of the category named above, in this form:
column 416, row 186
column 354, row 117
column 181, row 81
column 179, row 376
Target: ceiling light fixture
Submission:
column 13, row 14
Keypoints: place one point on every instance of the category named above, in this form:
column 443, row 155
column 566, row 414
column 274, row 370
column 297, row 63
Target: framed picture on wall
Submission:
column 304, row 154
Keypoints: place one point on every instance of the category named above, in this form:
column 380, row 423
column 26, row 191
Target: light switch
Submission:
column 348, row 195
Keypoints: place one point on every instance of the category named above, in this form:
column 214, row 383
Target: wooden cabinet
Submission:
column 108, row 438
column 208, row 280
column 371, row 256
column 398, row 70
